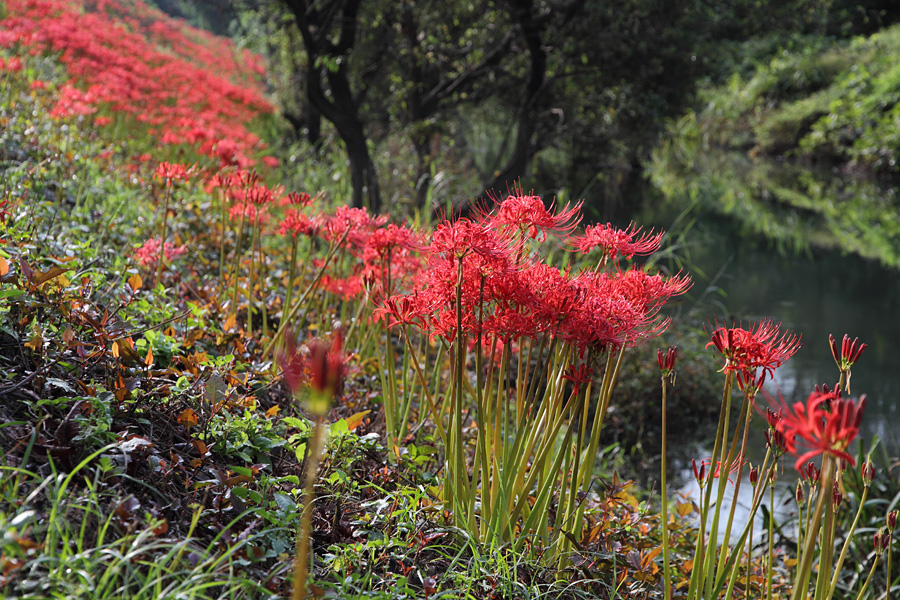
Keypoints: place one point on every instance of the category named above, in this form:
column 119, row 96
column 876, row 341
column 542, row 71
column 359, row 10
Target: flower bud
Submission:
column 868, row 473
column 754, row 475
column 699, row 473
column 892, row 520
column 836, row 497
column 799, row 495
column 881, row 541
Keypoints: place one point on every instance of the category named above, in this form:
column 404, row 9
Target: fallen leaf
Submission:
column 188, row 418
column 355, row 420
column 135, row 282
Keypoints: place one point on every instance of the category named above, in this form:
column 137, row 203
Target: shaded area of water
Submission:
column 815, row 285
column 816, row 251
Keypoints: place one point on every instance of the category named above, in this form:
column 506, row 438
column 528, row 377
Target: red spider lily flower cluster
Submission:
column 174, row 171
column 760, row 346
column 479, row 266
column 666, row 361
column 702, row 471
column 825, row 424
column 187, row 86
column 148, row 254
column 527, row 214
column 317, row 365
column 615, row 242
column 848, row 354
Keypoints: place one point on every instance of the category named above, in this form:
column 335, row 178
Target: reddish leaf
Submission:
column 188, row 418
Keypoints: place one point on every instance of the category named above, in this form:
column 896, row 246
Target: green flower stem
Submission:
column 826, row 546
column 700, row 551
column 770, row 572
column 724, row 470
column 862, row 592
column 300, row 301
column 292, row 274
column 826, row 480
column 843, row 555
column 301, row 560
column 746, row 416
column 667, row 574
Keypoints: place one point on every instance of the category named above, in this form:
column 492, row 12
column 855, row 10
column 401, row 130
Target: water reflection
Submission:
column 748, row 211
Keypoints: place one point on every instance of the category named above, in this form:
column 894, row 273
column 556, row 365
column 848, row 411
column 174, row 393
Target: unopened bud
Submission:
column 881, row 541
column 812, row 473
column 754, row 475
column 836, row 497
column 799, row 494
column 699, row 473
column 868, row 473
column 892, row 520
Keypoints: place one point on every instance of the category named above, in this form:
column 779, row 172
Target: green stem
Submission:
column 667, row 575
column 826, row 480
column 301, row 562
column 846, row 547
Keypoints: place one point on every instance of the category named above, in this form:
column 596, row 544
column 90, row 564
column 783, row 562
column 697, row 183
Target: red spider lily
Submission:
column 616, row 242
column 822, row 430
column 528, row 214
column 188, row 86
column 867, row 472
column 174, row 171
column 317, row 364
column 750, row 382
column 148, row 253
column 666, row 361
column 579, row 376
column 761, row 346
column 462, row 237
column 296, row 199
column 701, row 473
column 296, row 223
column 848, row 354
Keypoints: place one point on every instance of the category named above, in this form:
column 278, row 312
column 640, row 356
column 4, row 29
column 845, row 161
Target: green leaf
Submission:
column 285, row 502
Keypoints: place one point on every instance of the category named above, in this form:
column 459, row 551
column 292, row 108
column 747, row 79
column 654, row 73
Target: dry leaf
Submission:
column 188, row 418
column 354, row 421
column 135, row 282
column 4, row 267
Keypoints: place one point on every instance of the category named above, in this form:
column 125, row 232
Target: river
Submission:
column 812, row 249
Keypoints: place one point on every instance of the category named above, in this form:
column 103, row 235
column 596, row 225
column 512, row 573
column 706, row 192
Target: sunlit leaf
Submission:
column 188, row 418
column 4, row 267
column 355, row 420
column 135, row 282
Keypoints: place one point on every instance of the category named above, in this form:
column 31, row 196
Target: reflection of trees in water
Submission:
column 795, row 206
column 829, row 288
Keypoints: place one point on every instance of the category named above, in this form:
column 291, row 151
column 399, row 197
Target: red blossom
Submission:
column 148, row 253
column 848, row 354
column 527, row 213
column 825, row 424
column 616, row 242
column 761, row 346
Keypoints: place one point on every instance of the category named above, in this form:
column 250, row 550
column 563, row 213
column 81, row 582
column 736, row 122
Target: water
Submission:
column 818, row 253
column 812, row 289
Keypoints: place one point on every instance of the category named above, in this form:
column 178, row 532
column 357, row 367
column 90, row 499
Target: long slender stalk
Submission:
column 667, row 574
column 846, row 547
column 301, row 560
column 826, row 479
